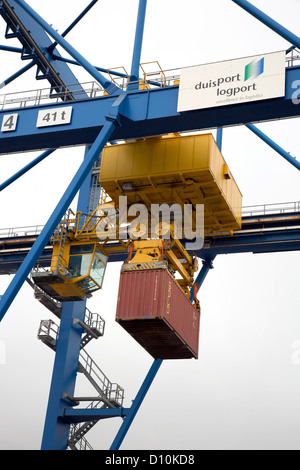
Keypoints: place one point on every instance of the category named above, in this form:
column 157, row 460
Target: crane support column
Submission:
column 56, row 430
column 220, row 138
column 84, row 194
column 136, row 58
column 136, row 405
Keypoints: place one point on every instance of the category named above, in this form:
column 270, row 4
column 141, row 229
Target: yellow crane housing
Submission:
column 175, row 169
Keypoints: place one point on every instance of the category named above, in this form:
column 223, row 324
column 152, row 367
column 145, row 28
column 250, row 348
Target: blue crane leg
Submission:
column 136, row 57
column 136, row 405
column 56, row 431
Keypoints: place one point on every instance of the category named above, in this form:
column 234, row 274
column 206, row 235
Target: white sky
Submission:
column 243, row 391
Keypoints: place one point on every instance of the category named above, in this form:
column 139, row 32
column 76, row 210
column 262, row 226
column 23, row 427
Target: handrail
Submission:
column 21, row 231
column 259, row 209
column 268, row 209
column 93, row 89
column 89, row 90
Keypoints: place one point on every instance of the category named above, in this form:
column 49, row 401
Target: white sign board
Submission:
column 236, row 81
column 54, row 116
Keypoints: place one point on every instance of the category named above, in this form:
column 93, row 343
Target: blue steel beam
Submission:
column 56, row 430
column 85, row 191
column 277, row 241
column 207, row 265
column 55, row 218
column 11, row 49
column 74, row 23
column 148, row 112
column 268, row 21
column 276, row 233
column 290, row 49
column 131, row 413
column 100, row 69
column 110, row 87
column 79, row 415
column 274, row 146
column 10, row 261
column 79, row 18
column 26, row 168
column 219, row 138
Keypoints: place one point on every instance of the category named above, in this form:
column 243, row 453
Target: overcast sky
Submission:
column 243, row 391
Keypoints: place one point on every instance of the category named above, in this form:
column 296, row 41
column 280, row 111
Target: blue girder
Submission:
column 259, row 234
column 146, row 113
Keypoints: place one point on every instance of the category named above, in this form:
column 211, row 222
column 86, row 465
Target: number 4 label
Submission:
column 9, row 122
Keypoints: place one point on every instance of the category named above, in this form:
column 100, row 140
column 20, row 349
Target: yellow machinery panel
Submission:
column 174, row 169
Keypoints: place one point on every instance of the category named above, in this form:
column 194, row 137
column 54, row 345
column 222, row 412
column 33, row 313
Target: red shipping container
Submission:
column 154, row 310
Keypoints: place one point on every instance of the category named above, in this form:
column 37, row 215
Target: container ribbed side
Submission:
column 156, row 313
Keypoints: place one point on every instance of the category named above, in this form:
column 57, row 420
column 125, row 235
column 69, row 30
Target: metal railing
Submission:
column 21, row 231
column 113, row 392
column 92, row 89
column 292, row 57
column 87, row 90
column 262, row 209
column 269, row 209
column 60, row 265
column 82, row 443
column 48, row 333
column 49, row 95
column 94, row 321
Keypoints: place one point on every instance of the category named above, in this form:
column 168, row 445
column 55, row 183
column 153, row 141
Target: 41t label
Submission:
column 54, row 116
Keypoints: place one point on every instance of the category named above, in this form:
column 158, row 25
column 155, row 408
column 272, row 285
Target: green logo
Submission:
column 254, row 69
